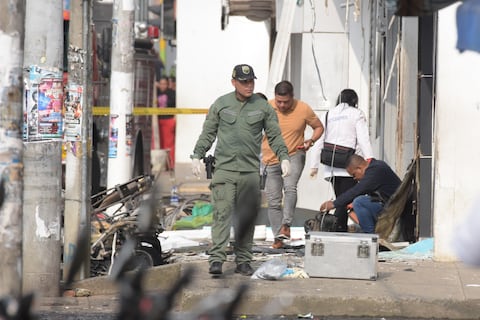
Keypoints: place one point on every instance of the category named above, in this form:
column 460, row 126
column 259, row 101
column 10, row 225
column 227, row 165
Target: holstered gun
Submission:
column 209, row 165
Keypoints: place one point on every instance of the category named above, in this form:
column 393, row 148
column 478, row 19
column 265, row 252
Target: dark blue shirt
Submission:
column 379, row 177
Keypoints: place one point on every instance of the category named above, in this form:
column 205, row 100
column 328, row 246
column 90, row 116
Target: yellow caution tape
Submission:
column 145, row 111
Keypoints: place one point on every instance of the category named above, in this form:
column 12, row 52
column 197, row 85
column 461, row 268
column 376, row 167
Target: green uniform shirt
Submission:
column 239, row 127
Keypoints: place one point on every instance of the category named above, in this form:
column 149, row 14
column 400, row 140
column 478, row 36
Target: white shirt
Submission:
column 346, row 126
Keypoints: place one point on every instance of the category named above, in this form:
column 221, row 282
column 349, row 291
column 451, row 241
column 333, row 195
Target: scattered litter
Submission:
column 420, row 250
column 305, row 316
column 201, row 216
column 295, row 243
column 270, row 270
column 77, row 292
column 296, row 233
column 176, row 241
column 423, row 246
column 295, row 273
column 473, row 285
column 266, row 249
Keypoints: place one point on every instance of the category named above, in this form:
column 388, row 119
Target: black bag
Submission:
column 334, row 155
column 323, row 221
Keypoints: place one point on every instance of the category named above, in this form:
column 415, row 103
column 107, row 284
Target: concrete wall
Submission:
column 342, row 53
column 456, row 133
column 406, row 119
column 206, row 56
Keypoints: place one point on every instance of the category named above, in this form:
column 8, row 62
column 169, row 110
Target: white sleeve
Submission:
column 315, row 155
column 317, row 147
column 363, row 138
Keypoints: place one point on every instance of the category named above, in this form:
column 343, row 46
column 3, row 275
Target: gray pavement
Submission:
column 415, row 289
column 409, row 287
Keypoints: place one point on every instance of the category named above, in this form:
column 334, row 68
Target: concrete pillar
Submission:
column 43, row 70
column 78, row 135
column 11, row 148
column 121, row 94
column 43, row 75
column 42, row 208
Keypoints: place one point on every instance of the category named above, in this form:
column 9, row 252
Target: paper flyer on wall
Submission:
column 43, row 118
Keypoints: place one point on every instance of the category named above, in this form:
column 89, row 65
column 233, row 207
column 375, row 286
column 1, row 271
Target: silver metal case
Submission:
column 341, row 255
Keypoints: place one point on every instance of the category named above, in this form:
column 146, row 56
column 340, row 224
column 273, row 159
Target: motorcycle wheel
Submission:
column 141, row 260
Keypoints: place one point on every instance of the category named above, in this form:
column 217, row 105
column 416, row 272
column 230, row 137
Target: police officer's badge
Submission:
column 246, row 69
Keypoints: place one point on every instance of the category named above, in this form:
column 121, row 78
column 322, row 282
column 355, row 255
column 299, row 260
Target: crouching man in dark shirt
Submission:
column 376, row 182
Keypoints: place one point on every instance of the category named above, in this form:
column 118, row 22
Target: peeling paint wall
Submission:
column 11, row 148
column 42, row 210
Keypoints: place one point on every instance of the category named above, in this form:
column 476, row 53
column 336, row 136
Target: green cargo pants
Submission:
column 236, row 201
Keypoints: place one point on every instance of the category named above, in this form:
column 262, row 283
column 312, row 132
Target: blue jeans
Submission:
column 367, row 212
column 278, row 188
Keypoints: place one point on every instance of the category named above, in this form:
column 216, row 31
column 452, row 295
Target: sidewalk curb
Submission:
column 418, row 289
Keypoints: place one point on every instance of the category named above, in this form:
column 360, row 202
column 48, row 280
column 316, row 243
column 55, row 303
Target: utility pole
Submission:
column 121, row 93
column 12, row 18
column 78, row 122
column 42, row 206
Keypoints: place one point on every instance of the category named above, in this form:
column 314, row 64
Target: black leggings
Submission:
column 340, row 185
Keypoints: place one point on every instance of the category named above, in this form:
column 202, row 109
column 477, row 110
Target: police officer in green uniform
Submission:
column 237, row 120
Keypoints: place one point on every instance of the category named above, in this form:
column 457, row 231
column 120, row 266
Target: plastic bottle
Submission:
column 174, row 195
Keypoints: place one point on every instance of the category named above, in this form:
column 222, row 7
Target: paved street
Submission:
column 408, row 287
column 101, row 316
column 411, row 289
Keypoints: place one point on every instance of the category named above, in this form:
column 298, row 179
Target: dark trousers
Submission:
column 340, row 185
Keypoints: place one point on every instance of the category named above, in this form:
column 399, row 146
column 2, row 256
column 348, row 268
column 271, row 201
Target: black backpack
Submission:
column 323, row 221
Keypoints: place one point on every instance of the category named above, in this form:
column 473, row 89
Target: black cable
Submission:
column 313, row 50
